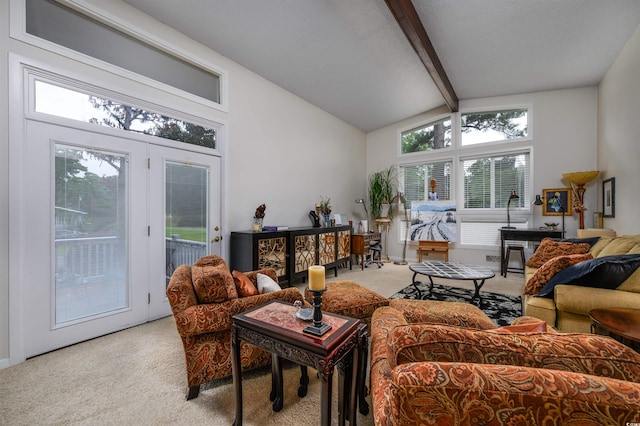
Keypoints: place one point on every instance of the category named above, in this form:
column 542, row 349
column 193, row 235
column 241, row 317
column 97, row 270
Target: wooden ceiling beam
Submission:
column 408, row 19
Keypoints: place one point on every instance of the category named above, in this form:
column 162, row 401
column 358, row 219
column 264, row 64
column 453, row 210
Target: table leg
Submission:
column 415, row 284
column 276, row 383
column 304, row 381
column 502, row 260
column 326, row 377
column 344, row 383
column 476, row 294
column 361, row 375
column 356, row 384
column 236, row 368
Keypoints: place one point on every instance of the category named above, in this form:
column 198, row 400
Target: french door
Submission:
column 109, row 218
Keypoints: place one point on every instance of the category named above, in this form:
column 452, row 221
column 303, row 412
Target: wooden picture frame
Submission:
column 609, row 197
column 556, row 199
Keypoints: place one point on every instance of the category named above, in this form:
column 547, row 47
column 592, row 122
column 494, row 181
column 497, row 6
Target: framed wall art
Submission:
column 609, row 197
column 556, row 201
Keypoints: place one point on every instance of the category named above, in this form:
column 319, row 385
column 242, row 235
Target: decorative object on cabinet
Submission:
column 291, row 252
column 578, row 180
column 258, row 217
column 315, row 220
column 325, row 210
column 609, row 197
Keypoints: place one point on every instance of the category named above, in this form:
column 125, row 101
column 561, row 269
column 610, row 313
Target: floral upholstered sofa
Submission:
column 565, row 280
column 204, row 297
column 446, row 363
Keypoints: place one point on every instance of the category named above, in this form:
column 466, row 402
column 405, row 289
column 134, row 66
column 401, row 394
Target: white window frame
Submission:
column 458, row 120
column 427, row 123
column 18, row 31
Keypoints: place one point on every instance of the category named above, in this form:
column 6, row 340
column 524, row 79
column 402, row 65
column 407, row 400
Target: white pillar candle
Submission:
column 316, row 277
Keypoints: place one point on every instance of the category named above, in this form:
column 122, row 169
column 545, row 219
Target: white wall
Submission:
column 280, row 150
column 619, row 136
column 564, row 140
column 4, row 187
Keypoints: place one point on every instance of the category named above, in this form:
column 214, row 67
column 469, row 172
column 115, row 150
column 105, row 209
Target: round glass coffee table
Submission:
column 451, row 271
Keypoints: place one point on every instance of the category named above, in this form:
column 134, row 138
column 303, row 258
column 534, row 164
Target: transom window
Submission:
column 431, row 136
column 75, row 105
column 493, row 126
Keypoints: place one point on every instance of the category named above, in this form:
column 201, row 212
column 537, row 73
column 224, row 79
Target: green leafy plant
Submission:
column 381, row 189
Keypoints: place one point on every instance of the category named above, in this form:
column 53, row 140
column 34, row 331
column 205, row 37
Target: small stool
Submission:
column 508, row 256
column 428, row 246
column 350, row 299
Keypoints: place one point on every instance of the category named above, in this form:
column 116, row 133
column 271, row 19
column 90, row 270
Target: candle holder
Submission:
column 318, row 328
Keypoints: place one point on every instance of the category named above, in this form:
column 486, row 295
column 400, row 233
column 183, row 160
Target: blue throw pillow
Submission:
column 591, row 240
column 602, row 272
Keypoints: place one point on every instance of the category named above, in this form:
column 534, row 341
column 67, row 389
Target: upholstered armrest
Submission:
column 582, row 353
column 455, row 393
column 383, row 321
column 451, row 313
column 526, row 320
column 216, row 317
column 580, row 300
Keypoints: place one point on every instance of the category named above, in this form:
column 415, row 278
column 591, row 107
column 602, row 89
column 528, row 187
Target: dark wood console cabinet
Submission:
column 292, row 251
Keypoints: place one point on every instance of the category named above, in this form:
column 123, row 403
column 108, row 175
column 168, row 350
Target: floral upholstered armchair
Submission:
column 443, row 363
column 204, row 297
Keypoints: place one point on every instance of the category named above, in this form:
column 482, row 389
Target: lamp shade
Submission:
column 581, row 178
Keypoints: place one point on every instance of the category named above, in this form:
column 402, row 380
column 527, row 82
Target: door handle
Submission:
column 216, row 239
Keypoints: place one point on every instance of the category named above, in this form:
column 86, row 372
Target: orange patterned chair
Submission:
column 204, row 298
column 443, row 363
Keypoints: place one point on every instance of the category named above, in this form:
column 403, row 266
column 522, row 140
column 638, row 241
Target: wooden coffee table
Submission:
column 275, row 328
column 623, row 324
column 451, row 271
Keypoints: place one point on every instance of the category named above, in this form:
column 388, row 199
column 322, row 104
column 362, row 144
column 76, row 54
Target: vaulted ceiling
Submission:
column 352, row 59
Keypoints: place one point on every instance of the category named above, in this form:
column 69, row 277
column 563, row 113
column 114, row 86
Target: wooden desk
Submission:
column 360, row 244
column 622, row 324
column 526, row 234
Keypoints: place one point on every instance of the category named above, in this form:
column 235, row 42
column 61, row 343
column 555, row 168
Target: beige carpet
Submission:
column 136, row 376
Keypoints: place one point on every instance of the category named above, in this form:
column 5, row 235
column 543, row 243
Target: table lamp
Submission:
column 578, row 180
column 513, row 196
column 364, row 204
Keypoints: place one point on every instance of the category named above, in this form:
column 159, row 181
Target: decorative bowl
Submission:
column 305, row 314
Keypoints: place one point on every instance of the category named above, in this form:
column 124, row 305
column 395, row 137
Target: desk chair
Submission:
column 375, row 251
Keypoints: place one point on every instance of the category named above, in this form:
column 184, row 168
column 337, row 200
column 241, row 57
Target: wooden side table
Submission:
column 275, row 328
column 622, row 324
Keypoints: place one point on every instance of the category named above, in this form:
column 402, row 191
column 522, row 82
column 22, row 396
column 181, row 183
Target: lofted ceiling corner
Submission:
column 354, row 59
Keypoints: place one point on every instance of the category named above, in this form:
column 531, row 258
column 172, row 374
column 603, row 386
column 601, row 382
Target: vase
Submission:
column 327, row 219
column 256, row 224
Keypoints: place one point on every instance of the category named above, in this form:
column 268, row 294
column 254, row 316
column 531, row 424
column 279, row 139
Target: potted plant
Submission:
column 381, row 186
